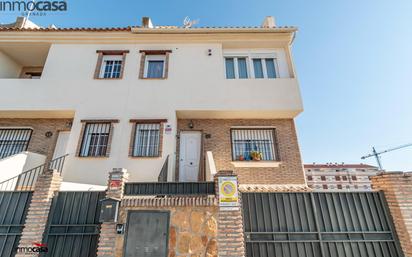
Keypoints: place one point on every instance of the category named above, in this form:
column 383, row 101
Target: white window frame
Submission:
column 235, row 63
column 146, row 151
column 151, row 57
column 110, row 58
column 249, row 63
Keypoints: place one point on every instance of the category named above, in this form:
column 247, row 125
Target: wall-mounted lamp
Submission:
column 190, row 124
column 48, row 134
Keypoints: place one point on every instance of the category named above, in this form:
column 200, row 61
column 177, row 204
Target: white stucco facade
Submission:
column 196, row 87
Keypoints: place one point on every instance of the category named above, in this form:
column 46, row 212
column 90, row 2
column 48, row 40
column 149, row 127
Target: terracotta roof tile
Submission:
column 341, row 166
column 67, row 29
column 129, row 28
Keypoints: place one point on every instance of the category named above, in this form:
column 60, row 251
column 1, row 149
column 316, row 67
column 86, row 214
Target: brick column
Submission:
column 107, row 239
column 36, row 221
column 230, row 236
column 397, row 187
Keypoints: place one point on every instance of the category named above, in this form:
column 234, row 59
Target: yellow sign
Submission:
column 228, row 193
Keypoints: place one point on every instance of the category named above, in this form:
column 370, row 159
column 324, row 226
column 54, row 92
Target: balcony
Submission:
column 22, row 61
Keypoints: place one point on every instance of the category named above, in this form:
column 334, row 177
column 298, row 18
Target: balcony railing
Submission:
column 26, row 181
column 170, row 188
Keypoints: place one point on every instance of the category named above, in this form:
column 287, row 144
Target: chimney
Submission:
column 147, row 23
column 269, row 22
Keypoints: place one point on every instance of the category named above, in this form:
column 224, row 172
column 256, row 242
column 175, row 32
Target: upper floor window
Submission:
column 254, row 144
column 154, row 64
column 31, row 72
column 258, row 66
column 96, row 138
column 110, row 64
column 236, row 67
column 111, row 67
column 264, row 68
column 13, row 141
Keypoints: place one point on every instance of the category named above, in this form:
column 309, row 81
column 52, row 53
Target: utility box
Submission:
column 109, row 210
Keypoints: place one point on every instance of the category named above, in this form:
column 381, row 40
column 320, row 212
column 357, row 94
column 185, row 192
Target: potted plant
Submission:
column 240, row 157
column 256, row 156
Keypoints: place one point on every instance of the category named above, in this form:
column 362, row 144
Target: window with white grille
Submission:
column 111, row 66
column 247, row 141
column 146, row 140
column 13, row 141
column 95, row 140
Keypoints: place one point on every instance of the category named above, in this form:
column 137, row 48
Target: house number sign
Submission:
column 228, row 192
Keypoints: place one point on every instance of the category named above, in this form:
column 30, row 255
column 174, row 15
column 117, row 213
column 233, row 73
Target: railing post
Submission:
column 231, row 241
column 115, row 188
column 36, row 221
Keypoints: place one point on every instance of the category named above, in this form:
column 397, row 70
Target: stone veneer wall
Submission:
column 39, row 143
column 192, row 231
column 289, row 172
column 397, row 187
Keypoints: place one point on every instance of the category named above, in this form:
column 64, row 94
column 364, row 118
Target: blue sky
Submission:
column 353, row 60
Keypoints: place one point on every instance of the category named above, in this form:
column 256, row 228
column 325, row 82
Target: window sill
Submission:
column 256, row 164
column 145, row 157
column 108, row 78
column 93, row 157
column 153, row 78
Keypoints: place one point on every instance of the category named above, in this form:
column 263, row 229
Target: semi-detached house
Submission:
column 164, row 141
column 195, row 100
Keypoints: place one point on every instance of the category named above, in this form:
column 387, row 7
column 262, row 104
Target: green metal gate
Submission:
column 324, row 224
column 13, row 211
column 73, row 225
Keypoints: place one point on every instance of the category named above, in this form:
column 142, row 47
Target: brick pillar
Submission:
column 107, row 239
column 36, row 221
column 230, row 236
column 397, row 187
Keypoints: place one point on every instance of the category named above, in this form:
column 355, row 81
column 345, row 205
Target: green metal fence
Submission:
column 332, row 224
column 73, row 226
column 13, row 211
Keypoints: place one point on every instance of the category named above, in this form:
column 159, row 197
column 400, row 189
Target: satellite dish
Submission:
column 187, row 23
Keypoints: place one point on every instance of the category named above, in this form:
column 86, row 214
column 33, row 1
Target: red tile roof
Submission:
column 337, row 165
column 129, row 28
column 66, row 29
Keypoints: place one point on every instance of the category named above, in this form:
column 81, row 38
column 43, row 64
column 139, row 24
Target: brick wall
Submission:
column 397, row 187
column 39, row 143
column 289, row 172
column 38, row 212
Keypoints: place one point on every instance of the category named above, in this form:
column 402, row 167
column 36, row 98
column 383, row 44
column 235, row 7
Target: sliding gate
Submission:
column 73, row 225
column 332, row 224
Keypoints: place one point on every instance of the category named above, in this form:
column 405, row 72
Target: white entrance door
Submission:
column 61, row 144
column 189, row 162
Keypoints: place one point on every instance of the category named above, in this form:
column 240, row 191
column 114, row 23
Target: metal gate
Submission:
column 13, row 211
column 147, row 234
column 324, row 224
column 73, row 225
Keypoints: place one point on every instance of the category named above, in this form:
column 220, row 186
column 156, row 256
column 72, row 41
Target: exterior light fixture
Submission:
column 190, row 125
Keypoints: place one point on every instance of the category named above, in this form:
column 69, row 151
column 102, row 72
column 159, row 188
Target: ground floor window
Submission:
column 146, row 140
column 95, row 140
column 13, row 141
column 253, row 144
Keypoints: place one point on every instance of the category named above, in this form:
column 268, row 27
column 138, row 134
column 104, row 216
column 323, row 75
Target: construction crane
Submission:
column 377, row 154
